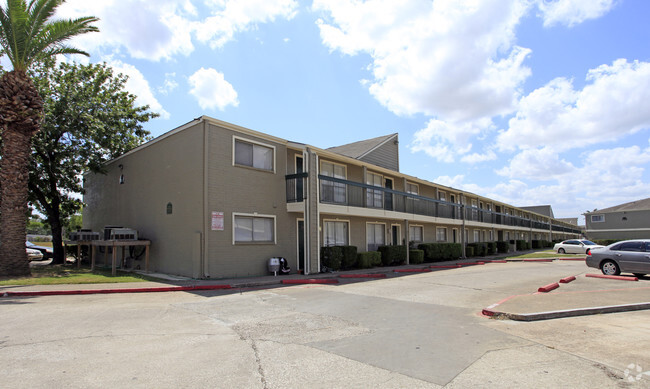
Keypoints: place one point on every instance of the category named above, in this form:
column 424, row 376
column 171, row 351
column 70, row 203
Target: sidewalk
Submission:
column 585, row 296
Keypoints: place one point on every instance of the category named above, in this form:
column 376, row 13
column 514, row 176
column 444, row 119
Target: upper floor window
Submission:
column 254, row 155
column 374, row 198
column 333, row 192
column 597, row 218
column 412, row 188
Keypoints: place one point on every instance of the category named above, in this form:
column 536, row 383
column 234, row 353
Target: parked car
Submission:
column 576, row 246
column 628, row 256
column 46, row 251
column 34, row 255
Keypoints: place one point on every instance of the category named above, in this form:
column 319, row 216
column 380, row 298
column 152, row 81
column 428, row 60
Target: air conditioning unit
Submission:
column 84, row 236
column 124, row 234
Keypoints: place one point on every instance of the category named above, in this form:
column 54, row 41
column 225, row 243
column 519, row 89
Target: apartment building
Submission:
column 217, row 200
column 624, row 221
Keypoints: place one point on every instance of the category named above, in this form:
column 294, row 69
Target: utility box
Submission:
column 274, row 265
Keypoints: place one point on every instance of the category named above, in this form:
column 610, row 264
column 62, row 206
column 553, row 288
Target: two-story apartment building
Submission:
column 217, row 200
column 625, row 221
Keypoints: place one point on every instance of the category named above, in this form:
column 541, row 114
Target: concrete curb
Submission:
column 620, row 278
column 311, row 281
column 374, row 275
column 119, row 290
column 565, row 313
column 548, row 288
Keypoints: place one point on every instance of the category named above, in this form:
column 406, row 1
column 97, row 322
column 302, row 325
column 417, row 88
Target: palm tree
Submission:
column 27, row 35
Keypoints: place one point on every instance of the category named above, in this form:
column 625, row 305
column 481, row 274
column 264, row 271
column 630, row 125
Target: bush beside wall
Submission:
column 522, row 245
column 349, row 259
column 368, row 259
column 502, row 246
column 416, row 257
column 441, row 251
column 392, row 255
column 491, row 248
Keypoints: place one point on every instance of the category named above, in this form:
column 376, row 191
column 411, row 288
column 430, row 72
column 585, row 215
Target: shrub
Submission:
column 331, row 257
column 392, row 255
column 537, row 244
column 416, row 257
column 368, row 259
column 502, row 246
column 349, row 259
column 441, row 251
column 469, row 251
column 491, row 248
column 522, row 245
column 480, row 249
column 605, row 242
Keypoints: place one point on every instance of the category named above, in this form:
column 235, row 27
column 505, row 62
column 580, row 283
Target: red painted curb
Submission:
column 537, row 260
column 412, row 270
column 471, row 263
column 445, row 267
column 620, row 278
column 111, row 291
column 487, row 312
column 572, row 259
column 378, row 275
column 497, row 261
column 566, row 280
column 549, row 287
column 312, row 281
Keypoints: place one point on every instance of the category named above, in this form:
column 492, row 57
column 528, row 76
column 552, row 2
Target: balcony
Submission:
column 336, row 191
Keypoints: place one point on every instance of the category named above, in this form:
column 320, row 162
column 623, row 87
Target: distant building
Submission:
column 626, row 221
column 218, row 200
column 545, row 210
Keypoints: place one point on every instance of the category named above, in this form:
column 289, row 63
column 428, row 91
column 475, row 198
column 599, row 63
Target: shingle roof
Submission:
column 637, row 205
column 541, row 209
column 359, row 149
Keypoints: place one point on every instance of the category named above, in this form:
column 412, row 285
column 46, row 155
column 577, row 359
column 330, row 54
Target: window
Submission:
column 415, row 234
column 476, row 236
column 335, row 233
column 253, row 228
column 333, row 192
column 253, row 155
column 375, row 236
column 441, row 234
column 374, row 198
column 442, row 196
column 597, row 218
column 412, row 188
column 631, row 246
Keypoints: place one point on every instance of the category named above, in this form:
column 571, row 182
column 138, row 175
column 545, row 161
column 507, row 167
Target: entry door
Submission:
column 395, row 235
column 454, row 232
column 301, row 244
column 388, row 197
column 299, row 181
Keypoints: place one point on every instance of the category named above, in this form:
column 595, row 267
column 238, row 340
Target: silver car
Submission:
column 629, row 256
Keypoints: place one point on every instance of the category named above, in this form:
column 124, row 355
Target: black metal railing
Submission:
column 296, row 187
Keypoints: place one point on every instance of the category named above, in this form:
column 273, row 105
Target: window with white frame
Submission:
column 374, row 198
column 415, row 234
column 253, row 155
column 335, row 233
column 442, row 196
column 597, row 218
column 441, row 234
column 412, row 188
column 491, row 236
column 253, row 228
column 476, row 236
column 375, row 236
column 333, row 192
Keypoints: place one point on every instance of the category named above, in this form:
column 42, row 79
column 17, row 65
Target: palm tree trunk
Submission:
column 20, row 111
column 13, row 209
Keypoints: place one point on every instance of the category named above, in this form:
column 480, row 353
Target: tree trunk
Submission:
column 57, row 236
column 20, row 111
column 14, row 174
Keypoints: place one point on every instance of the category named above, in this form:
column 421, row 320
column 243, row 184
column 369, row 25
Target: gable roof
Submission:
column 637, row 205
column 360, row 149
column 545, row 210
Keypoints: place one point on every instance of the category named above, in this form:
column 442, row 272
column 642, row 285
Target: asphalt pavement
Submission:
column 584, row 294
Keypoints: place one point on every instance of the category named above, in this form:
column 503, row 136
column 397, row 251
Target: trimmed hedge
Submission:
column 368, row 259
column 339, row 257
column 441, row 251
column 522, row 245
column 479, row 249
column 416, row 257
column 491, row 248
column 502, row 246
column 392, row 255
column 606, row 242
column 469, row 251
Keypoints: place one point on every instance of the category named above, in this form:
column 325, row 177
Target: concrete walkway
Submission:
column 589, row 296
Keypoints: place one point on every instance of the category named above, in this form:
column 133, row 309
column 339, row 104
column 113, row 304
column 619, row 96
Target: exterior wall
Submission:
column 244, row 190
column 386, row 155
column 619, row 225
column 167, row 171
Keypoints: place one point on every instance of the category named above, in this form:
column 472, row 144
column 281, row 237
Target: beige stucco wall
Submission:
column 167, row 171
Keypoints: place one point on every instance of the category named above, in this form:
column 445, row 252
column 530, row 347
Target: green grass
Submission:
column 542, row 254
column 59, row 274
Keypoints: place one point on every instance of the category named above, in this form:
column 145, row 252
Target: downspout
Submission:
column 462, row 214
column 305, row 200
column 206, row 212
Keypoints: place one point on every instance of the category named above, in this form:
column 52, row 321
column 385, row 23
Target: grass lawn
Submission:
column 59, row 274
column 545, row 254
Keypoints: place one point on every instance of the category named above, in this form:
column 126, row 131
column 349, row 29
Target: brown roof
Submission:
column 359, row 149
column 638, row 205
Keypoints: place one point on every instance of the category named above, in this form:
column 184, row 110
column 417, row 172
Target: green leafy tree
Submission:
column 27, row 35
column 89, row 119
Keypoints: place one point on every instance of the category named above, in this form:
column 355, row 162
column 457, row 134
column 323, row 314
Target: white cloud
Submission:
column 455, row 60
column 572, row 12
column 211, row 90
column 477, row 158
column 614, row 104
column 444, row 141
column 169, row 84
column 139, row 86
column 232, row 16
column 537, row 164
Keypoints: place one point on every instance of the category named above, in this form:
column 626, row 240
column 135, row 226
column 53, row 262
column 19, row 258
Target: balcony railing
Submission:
column 338, row 191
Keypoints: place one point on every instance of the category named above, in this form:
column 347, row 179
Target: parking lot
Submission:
column 420, row 330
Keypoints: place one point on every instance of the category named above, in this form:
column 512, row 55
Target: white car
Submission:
column 34, row 255
column 576, row 246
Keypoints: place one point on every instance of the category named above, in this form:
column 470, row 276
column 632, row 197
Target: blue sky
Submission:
column 524, row 101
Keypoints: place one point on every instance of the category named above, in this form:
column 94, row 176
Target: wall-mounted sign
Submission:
column 217, row 221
